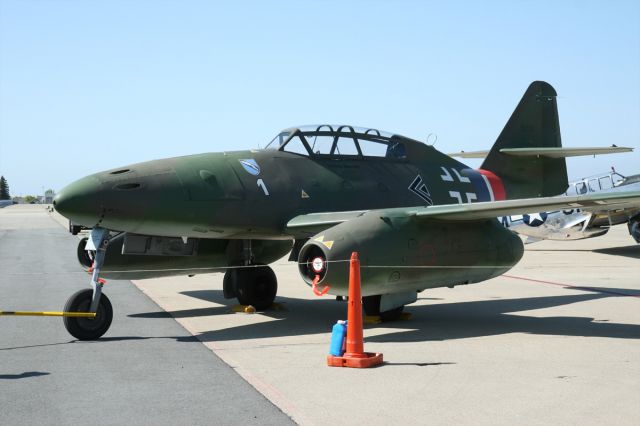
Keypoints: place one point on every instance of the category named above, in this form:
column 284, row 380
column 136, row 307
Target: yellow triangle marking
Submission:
column 304, row 194
column 328, row 244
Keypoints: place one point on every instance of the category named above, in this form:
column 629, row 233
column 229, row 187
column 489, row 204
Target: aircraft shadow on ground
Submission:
column 187, row 313
column 628, row 251
column 632, row 251
column 445, row 321
column 495, row 317
column 24, row 375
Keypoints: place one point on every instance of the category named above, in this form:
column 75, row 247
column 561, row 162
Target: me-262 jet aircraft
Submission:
column 418, row 218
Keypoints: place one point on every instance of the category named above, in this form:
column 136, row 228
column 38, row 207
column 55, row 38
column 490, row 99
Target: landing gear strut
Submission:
column 371, row 305
column 91, row 300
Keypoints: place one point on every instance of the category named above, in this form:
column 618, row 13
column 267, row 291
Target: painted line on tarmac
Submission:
column 573, row 287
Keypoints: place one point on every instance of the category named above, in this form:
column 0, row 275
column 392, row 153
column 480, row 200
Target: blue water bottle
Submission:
column 338, row 334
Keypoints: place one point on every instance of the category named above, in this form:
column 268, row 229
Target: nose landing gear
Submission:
column 91, row 300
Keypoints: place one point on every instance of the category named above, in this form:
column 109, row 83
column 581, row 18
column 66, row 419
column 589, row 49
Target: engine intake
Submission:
column 315, row 263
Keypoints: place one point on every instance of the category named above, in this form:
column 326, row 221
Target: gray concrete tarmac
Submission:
column 145, row 371
column 554, row 341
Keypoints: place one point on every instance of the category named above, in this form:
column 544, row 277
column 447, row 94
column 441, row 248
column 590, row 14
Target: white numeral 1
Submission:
column 263, row 186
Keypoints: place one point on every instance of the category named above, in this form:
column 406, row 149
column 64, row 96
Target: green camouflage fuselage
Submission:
column 213, row 196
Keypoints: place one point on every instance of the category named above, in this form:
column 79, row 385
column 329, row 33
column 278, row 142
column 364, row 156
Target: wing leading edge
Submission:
column 316, row 222
column 488, row 210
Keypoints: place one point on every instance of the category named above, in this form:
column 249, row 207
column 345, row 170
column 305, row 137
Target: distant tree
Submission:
column 30, row 199
column 4, row 189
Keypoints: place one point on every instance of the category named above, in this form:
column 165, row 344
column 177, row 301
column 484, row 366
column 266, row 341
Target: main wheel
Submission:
column 85, row 257
column 229, row 283
column 256, row 286
column 371, row 305
column 634, row 229
column 88, row 328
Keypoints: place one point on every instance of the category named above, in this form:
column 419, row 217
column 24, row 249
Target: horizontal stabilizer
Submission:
column 547, row 152
column 564, row 152
column 469, row 154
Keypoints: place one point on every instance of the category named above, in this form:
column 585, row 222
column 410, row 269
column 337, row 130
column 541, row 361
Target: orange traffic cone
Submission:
column 355, row 356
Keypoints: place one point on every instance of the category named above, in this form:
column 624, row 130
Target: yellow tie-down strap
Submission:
column 48, row 314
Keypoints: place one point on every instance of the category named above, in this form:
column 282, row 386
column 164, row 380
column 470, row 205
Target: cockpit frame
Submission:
column 388, row 146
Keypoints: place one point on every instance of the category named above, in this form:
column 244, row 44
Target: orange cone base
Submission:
column 368, row 360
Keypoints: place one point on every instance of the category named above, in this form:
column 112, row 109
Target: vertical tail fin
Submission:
column 533, row 124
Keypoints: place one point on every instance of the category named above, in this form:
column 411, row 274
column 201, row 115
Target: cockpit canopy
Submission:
column 339, row 141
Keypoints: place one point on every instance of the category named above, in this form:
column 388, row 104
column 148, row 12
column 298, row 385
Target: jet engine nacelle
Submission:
column 400, row 254
column 131, row 256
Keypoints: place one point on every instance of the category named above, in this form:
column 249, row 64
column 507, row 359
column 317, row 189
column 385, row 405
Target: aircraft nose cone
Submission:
column 79, row 201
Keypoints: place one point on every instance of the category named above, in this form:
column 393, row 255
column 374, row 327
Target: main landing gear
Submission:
column 91, row 300
column 371, row 305
column 634, row 228
column 252, row 284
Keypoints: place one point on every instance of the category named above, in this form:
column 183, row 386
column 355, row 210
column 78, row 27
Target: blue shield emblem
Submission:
column 250, row 166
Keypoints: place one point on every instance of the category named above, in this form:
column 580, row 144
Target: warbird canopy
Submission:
column 339, row 141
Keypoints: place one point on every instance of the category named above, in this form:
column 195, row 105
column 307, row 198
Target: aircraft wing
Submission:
column 491, row 209
column 315, row 222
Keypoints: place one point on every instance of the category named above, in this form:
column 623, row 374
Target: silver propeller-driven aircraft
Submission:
column 579, row 223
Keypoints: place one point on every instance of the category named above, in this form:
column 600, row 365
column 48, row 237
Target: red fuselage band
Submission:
column 496, row 184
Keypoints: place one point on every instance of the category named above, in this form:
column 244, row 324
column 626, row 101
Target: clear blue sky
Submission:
column 90, row 85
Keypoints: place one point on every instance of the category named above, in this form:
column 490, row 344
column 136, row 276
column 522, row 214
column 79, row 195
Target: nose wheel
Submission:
column 88, row 328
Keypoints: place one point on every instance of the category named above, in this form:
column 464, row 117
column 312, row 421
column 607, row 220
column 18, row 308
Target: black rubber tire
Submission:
column 229, row 283
column 256, row 286
column 634, row 229
column 83, row 255
column 371, row 306
column 86, row 328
